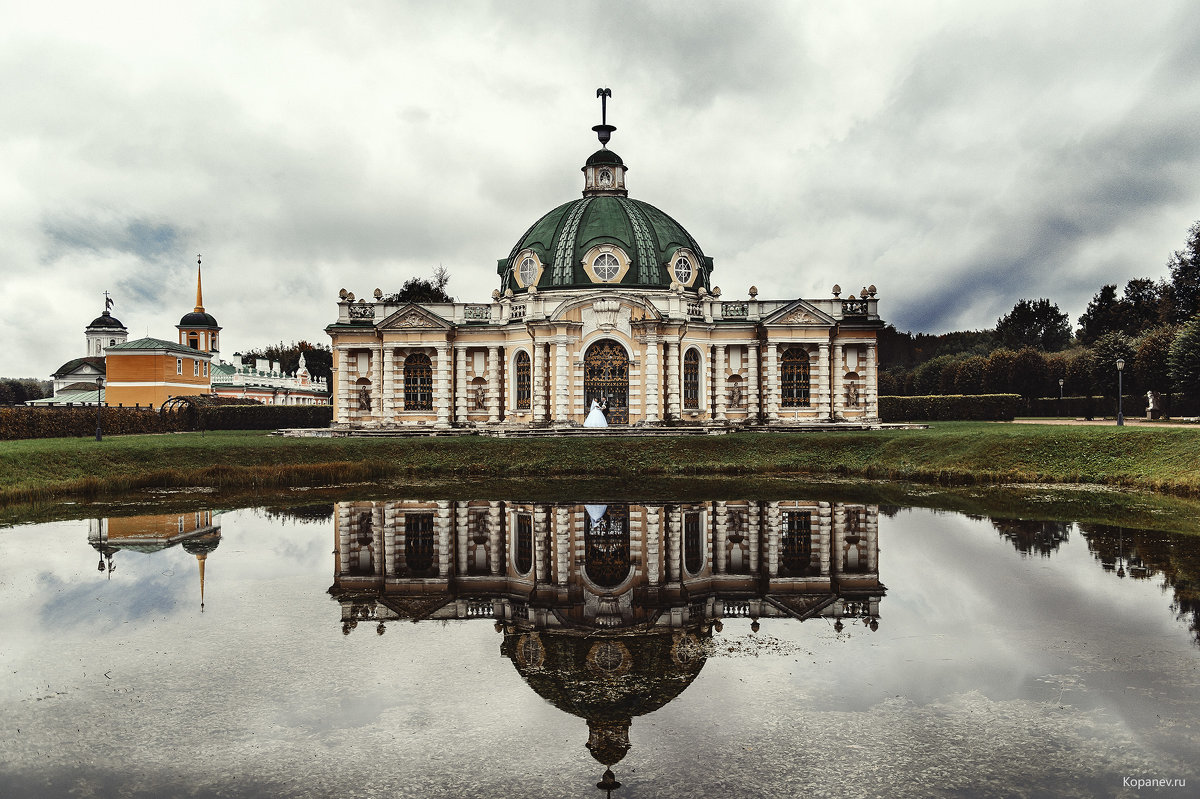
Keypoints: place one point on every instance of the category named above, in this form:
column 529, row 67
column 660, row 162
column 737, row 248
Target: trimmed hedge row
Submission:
column 26, row 422
column 64, row 422
column 263, row 417
column 1100, row 407
column 951, row 407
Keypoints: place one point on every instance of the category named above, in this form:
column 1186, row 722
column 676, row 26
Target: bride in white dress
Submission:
column 595, row 417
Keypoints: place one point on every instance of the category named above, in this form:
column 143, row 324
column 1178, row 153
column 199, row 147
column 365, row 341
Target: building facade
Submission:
column 605, row 298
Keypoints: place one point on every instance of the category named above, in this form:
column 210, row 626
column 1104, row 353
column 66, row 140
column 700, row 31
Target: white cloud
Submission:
column 958, row 157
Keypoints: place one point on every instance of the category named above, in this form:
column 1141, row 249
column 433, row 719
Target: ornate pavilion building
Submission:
column 605, row 298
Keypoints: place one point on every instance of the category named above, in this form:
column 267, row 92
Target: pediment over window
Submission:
column 799, row 312
column 413, row 317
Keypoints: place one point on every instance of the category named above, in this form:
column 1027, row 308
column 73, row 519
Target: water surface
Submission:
column 495, row 646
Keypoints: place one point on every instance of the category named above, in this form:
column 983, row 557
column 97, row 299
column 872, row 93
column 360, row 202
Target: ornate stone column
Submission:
column 673, row 409
column 650, row 376
column 441, row 385
column 536, row 382
column 461, row 535
column 773, row 391
column 871, row 520
column 673, row 542
column 838, row 402
column 722, row 535
column 540, row 527
column 562, row 544
column 825, row 533
column 460, row 384
column 719, row 381
column 343, row 533
column 493, row 381
column 388, row 387
column 653, row 532
column 773, row 523
column 754, row 387
column 343, row 385
column 493, row 528
column 824, row 392
column 837, row 539
column 441, row 526
column 871, row 383
column 377, row 369
column 754, row 533
column 389, row 539
column 562, row 393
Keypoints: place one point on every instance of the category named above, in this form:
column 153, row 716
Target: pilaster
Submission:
column 441, row 385
column 562, row 393
column 824, row 393
column 650, row 376
column 773, row 390
column 460, row 384
column 838, row 403
column 755, row 389
column 719, row 381
column 493, row 383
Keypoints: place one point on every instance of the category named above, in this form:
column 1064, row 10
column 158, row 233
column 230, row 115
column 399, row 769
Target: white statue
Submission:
column 595, row 417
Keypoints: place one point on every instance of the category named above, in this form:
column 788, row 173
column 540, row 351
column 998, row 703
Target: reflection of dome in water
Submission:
column 202, row 544
column 607, row 680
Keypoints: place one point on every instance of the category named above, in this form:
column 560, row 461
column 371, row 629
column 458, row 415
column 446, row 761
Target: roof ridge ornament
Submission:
column 603, row 130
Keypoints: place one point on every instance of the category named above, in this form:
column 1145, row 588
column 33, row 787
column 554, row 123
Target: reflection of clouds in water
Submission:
column 143, row 585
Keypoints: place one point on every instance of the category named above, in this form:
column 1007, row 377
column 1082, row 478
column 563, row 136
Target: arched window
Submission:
column 418, row 382
column 796, row 558
column 693, row 555
column 524, row 543
column 793, row 373
column 691, row 379
column 528, row 272
column 524, row 384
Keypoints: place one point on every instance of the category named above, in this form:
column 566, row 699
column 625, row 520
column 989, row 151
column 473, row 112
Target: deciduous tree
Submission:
column 1184, row 357
column 1034, row 323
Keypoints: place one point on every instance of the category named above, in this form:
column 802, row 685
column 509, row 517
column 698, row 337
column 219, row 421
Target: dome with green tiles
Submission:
column 605, row 239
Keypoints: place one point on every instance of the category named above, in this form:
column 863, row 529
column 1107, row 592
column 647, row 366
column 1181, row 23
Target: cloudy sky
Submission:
column 959, row 156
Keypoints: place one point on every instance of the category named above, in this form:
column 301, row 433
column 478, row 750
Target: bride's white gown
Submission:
column 595, row 417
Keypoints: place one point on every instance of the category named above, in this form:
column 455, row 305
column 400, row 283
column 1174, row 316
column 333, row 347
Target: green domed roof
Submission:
column 604, row 157
column 561, row 238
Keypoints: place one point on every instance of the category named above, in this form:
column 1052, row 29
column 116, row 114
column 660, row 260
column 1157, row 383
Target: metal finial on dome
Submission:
column 603, row 130
column 108, row 302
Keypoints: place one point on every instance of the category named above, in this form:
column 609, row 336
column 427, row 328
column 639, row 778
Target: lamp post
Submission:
column 99, row 406
column 1060, row 396
column 1120, row 392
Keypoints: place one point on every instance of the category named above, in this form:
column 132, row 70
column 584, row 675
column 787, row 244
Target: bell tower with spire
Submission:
column 199, row 329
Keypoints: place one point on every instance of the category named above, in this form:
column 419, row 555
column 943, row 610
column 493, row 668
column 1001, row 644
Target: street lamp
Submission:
column 1060, row 386
column 1120, row 392
column 99, row 406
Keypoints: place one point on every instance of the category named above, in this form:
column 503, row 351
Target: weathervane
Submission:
column 108, row 302
column 603, row 130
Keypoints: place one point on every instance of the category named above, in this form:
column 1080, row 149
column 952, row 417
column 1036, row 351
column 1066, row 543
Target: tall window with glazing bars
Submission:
column 524, row 384
column 418, row 382
column 793, row 378
column 691, row 379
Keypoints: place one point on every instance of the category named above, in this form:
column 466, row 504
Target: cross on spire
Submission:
column 108, row 302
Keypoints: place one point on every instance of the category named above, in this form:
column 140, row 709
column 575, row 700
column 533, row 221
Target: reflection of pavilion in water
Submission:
column 199, row 533
column 605, row 608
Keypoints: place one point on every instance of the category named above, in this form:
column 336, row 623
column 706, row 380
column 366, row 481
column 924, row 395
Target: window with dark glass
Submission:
column 793, row 374
column 524, row 543
column 524, row 384
column 418, row 382
column 691, row 379
column 796, row 557
column 693, row 555
column 418, row 544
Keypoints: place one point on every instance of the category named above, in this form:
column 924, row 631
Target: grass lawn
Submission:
column 949, row 453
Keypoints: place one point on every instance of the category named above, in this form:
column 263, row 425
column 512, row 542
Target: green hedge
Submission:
column 950, row 407
column 64, row 422
column 1100, row 407
column 28, row 422
column 263, row 417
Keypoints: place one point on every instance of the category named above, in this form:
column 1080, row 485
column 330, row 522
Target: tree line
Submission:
column 1153, row 326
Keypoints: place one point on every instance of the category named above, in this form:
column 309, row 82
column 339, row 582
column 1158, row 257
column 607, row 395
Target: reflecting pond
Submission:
column 739, row 648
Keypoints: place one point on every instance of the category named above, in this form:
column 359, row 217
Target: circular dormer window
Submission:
column 528, row 272
column 606, row 266
column 683, row 269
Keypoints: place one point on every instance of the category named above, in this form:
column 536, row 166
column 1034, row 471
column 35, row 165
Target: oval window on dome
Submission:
column 528, row 272
column 683, row 269
column 606, row 266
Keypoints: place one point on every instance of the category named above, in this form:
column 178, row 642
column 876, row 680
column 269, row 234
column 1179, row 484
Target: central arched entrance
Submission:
column 606, row 378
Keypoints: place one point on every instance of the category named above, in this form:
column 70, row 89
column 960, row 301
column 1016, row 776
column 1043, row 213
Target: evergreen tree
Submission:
column 1150, row 360
column 1185, row 276
column 1183, row 360
column 1103, row 315
column 1030, row 375
column 1034, row 323
column 1107, row 350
